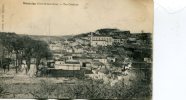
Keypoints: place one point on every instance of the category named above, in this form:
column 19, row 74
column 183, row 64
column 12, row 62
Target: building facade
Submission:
column 100, row 40
column 68, row 65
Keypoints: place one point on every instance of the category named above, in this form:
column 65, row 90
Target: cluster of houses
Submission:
column 96, row 68
column 78, row 56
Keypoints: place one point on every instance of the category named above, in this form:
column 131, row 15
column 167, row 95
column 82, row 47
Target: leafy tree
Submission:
column 41, row 50
column 10, row 42
column 25, row 48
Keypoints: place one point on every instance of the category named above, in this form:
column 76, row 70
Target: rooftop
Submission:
column 98, row 35
column 98, row 63
column 72, row 62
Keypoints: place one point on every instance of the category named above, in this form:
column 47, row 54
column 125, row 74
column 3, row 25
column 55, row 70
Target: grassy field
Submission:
column 22, row 86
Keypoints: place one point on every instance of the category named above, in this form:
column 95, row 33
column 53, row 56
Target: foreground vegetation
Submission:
column 139, row 87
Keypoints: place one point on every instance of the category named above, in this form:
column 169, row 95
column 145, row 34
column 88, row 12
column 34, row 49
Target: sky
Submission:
column 22, row 17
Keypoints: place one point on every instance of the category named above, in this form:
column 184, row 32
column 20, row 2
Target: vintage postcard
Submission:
column 76, row 49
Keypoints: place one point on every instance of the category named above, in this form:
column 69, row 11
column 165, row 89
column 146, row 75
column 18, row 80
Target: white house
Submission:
column 69, row 50
column 68, row 57
column 111, row 59
column 78, row 50
column 59, row 62
column 101, row 59
column 55, row 46
column 116, row 40
column 71, row 65
column 100, row 40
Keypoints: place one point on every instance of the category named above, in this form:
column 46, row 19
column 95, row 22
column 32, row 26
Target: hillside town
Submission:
column 109, row 55
column 103, row 54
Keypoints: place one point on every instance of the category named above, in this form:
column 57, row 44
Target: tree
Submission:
column 34, row 49
column 9, row 42
column 24, row 47
column 28, row 49
column 41, row 50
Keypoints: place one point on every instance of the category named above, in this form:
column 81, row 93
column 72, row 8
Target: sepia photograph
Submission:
column 76, row 49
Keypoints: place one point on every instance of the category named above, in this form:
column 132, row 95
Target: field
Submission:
column 22, row 86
